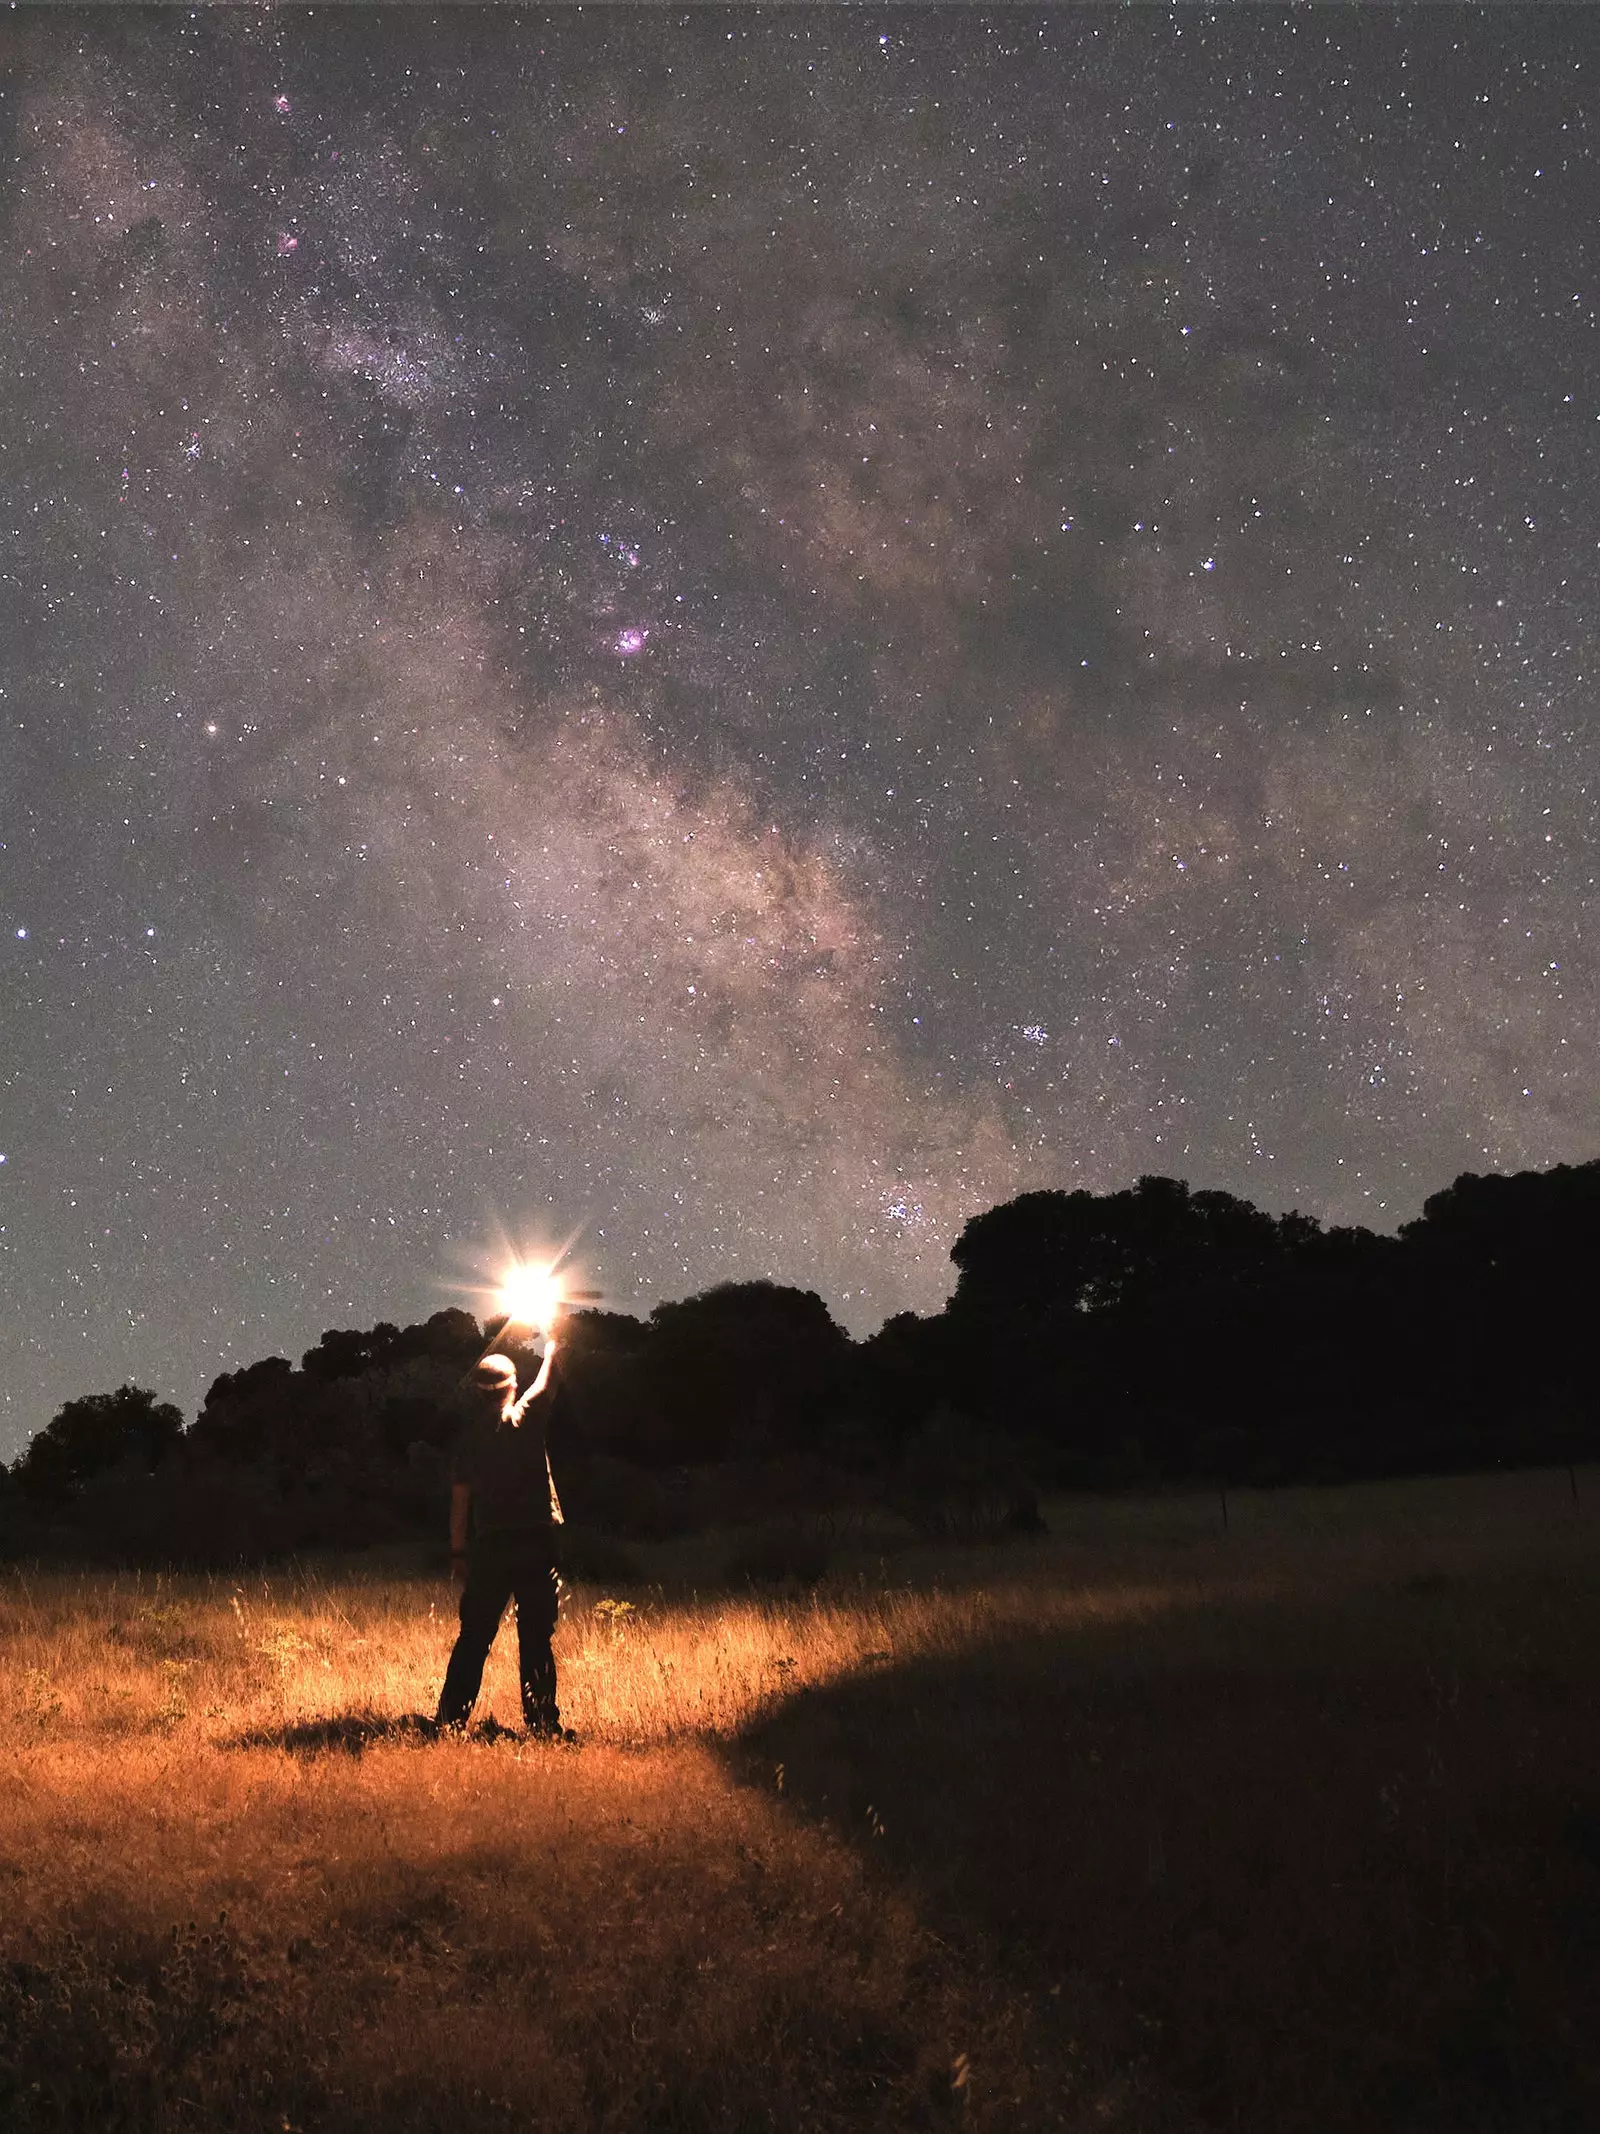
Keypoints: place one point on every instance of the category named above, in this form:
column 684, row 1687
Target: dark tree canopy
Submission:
column 1549, row 1216
column 91, row 1436
column 745, row 1365
column 1053, row 1252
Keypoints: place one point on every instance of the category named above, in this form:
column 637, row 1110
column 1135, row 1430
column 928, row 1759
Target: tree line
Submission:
column 1150, row 1337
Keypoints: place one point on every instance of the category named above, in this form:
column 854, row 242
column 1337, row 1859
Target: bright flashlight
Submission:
column 531, row 1296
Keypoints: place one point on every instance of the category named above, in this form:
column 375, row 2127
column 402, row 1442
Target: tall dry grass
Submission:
column 961, row 1844
column 118, row 1662
column 244, row 1888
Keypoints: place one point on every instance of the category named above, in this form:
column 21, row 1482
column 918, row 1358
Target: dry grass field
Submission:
column 1143, row 1825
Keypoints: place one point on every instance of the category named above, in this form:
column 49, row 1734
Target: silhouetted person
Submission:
column 503, row 1515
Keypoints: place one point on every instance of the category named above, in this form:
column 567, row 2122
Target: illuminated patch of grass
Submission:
column 87, row 1657
column 244, row 1886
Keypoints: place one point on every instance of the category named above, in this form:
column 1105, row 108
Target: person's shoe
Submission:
column 552, row 1731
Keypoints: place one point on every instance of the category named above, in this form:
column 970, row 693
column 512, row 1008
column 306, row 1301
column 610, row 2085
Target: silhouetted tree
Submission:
column 88, row 1437
column 448, row 1336
column 346, row 1353
column 1047, row 1253
column 243, row 1414
column 746, row 1367
column 1162, row 1330
column 1505, row 1270
column 910, row 1368
column 607, row 1403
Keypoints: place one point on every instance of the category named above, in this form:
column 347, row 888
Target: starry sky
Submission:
column 745, row 632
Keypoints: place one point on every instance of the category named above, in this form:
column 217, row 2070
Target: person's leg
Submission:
column 536, row 1596
column 483, row 1601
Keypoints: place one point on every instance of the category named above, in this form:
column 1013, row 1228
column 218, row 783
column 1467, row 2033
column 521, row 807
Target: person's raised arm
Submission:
column 540, row 1382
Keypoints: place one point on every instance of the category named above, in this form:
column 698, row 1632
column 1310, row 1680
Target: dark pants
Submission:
column 502, row 1567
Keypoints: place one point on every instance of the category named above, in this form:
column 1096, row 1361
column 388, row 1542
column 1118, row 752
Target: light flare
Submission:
column 532, row 1294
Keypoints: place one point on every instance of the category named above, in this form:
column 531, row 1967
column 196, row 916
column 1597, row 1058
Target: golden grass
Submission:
column 969, row 1846
column 620, row 1936
column 92, row 1659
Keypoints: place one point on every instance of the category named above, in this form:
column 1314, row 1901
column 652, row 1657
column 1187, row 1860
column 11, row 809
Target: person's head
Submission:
column 494, row 1380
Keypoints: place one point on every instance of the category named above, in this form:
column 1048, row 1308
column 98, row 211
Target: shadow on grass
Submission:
column 352, row 1733
column 1321, row 1875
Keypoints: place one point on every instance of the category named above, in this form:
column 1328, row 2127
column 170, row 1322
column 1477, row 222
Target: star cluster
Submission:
column 753, row 631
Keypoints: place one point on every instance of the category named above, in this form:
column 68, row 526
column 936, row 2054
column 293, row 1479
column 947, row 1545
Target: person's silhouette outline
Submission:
column 503, row 1514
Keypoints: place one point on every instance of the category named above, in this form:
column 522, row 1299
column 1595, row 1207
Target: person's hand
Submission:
column 458, row 1572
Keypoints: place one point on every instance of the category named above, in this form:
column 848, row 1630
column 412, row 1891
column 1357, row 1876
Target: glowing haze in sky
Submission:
column 755, row 631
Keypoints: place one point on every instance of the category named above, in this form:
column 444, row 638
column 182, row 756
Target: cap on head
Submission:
column 495, row 1374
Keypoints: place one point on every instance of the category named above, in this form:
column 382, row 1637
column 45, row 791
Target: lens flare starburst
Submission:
column 531, row 1294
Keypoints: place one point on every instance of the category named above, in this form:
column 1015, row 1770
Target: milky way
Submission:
column 751, row 632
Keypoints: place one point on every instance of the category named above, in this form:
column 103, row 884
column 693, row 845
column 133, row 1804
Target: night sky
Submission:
column 751, row 632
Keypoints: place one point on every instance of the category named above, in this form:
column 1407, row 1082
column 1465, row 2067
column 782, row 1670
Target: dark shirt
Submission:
column 506, row 1467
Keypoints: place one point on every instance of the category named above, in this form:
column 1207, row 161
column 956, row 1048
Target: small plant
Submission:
column 613, row 1615
column 282, row 1647
column 40, row 1702
column 175, row 1695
